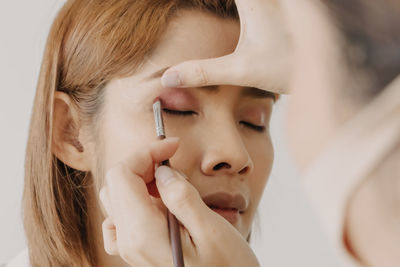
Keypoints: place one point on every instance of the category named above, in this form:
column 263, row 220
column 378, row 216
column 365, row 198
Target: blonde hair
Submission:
column 90, row 43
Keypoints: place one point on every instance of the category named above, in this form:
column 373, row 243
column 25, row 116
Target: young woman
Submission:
column 92, row 130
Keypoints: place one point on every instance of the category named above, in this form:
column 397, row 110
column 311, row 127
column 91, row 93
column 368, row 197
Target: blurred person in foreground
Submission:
column 343, row 118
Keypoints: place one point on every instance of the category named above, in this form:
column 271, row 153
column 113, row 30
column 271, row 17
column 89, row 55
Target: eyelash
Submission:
column 179, row 112
column 254, row 127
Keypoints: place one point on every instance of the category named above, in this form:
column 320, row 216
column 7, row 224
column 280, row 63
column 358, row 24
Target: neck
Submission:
column 96, row 234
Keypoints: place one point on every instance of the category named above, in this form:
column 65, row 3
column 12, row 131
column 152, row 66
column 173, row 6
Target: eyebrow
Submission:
column 257, row 93
column 245, row 92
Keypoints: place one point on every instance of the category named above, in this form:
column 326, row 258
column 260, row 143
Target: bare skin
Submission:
column 224, row 147
column 319, row 71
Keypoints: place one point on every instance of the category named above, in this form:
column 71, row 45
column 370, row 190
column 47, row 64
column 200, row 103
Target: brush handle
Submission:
column 173, row 224
column 175, row 239
column 174, row 234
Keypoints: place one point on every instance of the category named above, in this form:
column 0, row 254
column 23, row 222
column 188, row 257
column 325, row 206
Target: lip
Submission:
column 227, row 205
column 231, row 215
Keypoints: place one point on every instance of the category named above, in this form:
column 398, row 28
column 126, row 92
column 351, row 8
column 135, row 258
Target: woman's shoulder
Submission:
column 21, row 260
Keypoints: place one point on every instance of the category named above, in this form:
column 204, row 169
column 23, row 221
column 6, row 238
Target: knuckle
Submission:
column 110, row 248
column 131, row 165
column 201, row 75
column 184, row 196
column 109, row 238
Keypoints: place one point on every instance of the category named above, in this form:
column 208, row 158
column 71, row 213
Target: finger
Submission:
column 197, row 73
column 206, row 229
column 128, row 196
column 131, row 205
column 142, row 162
column 105, row 201
column 184, row 201
column 251, row 9
column 233, row 69
column 138, row 222
column 110, row 237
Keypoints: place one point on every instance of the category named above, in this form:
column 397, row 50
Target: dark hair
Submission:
column 371, row 32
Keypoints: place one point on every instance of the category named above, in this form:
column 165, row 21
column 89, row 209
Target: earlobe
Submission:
column 67, row 142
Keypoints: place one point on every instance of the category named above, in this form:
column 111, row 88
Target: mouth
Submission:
column 231, row 215
column 228, row 206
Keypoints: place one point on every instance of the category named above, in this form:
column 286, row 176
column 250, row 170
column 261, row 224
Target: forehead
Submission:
column 195, row 35
column 190, row 35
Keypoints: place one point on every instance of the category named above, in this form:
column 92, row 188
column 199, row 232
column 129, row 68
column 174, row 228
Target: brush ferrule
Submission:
column 158, row 119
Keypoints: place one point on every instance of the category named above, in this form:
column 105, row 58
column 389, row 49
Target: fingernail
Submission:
column 164, row 175
column 171, row 79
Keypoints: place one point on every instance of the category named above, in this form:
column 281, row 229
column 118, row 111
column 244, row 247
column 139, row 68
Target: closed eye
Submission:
column 254, row 127
column 179, row 112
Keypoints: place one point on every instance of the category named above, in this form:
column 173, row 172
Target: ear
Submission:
column 68, row 144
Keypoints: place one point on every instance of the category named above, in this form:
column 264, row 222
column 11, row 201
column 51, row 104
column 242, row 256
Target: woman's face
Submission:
column 225, row 148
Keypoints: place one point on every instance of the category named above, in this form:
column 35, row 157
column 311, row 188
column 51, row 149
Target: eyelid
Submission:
column 178, row 99
column 256, row 116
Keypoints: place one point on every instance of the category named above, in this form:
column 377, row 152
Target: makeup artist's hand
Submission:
column 261, row 58
column 136, row 226
column 215, row 241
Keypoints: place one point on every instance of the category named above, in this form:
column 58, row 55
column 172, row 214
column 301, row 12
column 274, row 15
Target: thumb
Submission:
column 184, row 201
column 205, row 72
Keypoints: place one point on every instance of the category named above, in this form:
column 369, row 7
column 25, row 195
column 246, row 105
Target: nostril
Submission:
column 221, row 165
column 244, row 170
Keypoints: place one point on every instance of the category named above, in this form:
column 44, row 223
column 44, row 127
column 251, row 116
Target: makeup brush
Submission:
column 173, row 224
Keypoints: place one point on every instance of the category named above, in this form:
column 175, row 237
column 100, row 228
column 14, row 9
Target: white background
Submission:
column 287, row 235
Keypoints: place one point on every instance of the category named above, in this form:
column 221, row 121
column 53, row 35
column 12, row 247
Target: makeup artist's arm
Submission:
column 137, row 230
column 260, row 59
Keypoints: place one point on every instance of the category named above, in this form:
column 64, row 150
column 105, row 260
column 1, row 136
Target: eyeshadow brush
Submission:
column 173, row 224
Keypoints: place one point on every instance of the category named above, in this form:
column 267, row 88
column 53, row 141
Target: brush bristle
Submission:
column 156, row 99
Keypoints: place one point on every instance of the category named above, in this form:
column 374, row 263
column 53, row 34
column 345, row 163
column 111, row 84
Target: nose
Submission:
column 226, row 153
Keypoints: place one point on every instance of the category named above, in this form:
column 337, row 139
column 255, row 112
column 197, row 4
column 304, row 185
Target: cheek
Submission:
column 123, row 133
column 188, row 156
column 262, row 154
